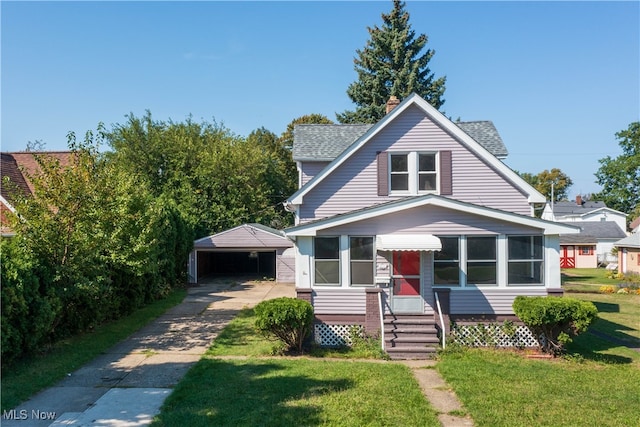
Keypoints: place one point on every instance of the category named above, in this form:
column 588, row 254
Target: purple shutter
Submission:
column 383, row 173
column 446, row 184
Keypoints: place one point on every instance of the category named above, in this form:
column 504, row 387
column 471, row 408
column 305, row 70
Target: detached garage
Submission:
column 249, row 250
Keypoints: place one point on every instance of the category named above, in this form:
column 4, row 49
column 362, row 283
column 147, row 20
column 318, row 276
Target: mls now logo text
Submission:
column 23, row 414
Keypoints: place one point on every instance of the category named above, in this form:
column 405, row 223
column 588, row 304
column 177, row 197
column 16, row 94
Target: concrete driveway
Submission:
column 127, row 384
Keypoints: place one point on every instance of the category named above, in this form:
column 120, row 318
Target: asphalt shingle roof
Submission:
column 326, row 142
column 572, row 208
column 632, row 241
column 598, row 229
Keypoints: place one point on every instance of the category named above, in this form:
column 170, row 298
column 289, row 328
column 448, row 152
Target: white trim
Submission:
column 548, row 227
column 7, row 204
column 402, row 242
column 533, row 195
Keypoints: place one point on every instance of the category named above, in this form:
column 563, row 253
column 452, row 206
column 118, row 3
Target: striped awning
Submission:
column 408, row 242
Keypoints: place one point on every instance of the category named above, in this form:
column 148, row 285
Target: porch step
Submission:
column 410, row 336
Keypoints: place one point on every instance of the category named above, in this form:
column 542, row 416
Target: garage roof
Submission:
column 247, row 236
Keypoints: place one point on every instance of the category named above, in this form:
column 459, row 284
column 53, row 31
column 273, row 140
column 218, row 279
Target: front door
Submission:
column 406, row 293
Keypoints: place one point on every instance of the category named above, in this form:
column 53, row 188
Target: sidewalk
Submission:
column 127, row 385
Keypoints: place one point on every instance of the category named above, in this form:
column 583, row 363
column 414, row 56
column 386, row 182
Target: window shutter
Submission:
column 383, row 173
column 446, row 180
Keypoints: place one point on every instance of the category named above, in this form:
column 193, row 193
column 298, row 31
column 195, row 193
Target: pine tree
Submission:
column 391, row 64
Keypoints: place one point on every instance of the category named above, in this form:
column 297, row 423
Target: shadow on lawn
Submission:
column 246, row 393
column 595, row 345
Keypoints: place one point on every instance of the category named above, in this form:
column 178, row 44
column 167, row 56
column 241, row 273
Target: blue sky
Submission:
column 558, row 79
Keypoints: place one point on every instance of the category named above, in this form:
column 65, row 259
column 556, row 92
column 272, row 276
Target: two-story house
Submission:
column 412, row 213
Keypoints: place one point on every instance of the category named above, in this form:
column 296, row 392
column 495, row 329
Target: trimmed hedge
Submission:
column 288, row 319
column 554, row 320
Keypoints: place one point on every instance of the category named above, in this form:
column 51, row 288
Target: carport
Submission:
column 249, row 250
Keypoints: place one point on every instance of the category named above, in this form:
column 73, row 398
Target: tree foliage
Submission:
column 392, row 63
column 91, row 244
column 620, row 176
column 550, row 181
column 217, row 179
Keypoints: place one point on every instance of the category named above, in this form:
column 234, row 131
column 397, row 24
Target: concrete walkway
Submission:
column 126, row 386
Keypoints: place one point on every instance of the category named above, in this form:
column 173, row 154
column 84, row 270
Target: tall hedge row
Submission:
column 91, row 245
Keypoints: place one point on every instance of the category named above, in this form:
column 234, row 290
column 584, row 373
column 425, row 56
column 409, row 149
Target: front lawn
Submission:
column 296, row 392
column 499, row 388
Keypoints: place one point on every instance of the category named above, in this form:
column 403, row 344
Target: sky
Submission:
column 558, row 79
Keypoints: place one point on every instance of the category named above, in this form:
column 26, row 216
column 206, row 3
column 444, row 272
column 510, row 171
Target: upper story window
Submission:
column 413, row 172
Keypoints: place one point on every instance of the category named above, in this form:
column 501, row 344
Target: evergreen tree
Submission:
column 392, row 63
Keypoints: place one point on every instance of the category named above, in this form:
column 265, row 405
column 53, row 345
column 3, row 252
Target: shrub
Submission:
column 288, row 319
column 554, row 320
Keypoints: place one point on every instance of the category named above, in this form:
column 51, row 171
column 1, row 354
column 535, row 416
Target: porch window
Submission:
column 327, row 260
column 481, row 260
column 446, row 262
column 526, row 260
column 361, row 257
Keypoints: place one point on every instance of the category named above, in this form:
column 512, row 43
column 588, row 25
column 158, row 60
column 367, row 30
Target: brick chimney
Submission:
column 392, row 103
column 579, row 200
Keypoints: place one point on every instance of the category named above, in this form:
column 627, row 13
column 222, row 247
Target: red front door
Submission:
column 406, row 282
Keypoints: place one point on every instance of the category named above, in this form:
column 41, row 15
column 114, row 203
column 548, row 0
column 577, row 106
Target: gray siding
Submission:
column 311, row 169
column 428, row 220
column 489, row 301
column 339, row 301
column 286, row 265
column 354, row 184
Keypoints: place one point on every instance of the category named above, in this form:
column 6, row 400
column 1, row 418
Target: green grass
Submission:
column 499, row 388
column 585, row 279
column 296, row 391
column 30, row 375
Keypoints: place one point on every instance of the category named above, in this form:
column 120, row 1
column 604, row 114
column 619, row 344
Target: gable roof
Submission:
column 632, row 241
column 245, row 236
column 310, row 228
column 21, row 165
column 565, row 208
column 601, row 229
column 482, row 152
column 324, row 142
column 10, row 171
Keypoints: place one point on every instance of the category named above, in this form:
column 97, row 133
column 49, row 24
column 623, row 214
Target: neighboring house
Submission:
column 416, row 210
column 15, row 169
column 629, row 254
column 249, row 250
column 635, row 225
column 578, row 251
column 592, row 246
column 583, row 211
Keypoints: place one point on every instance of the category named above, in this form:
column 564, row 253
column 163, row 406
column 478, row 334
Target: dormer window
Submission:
column 413, row 172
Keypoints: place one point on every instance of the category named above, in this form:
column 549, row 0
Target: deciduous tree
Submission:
column 620, row 176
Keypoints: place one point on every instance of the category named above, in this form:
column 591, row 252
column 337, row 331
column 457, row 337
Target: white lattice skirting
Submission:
column 334, row 335
column 492, row 335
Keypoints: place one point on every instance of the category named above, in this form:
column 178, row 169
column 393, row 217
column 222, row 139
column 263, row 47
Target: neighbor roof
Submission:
column 572, row 208
column 632, row 241
column 316, row 142
column 601, row 229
